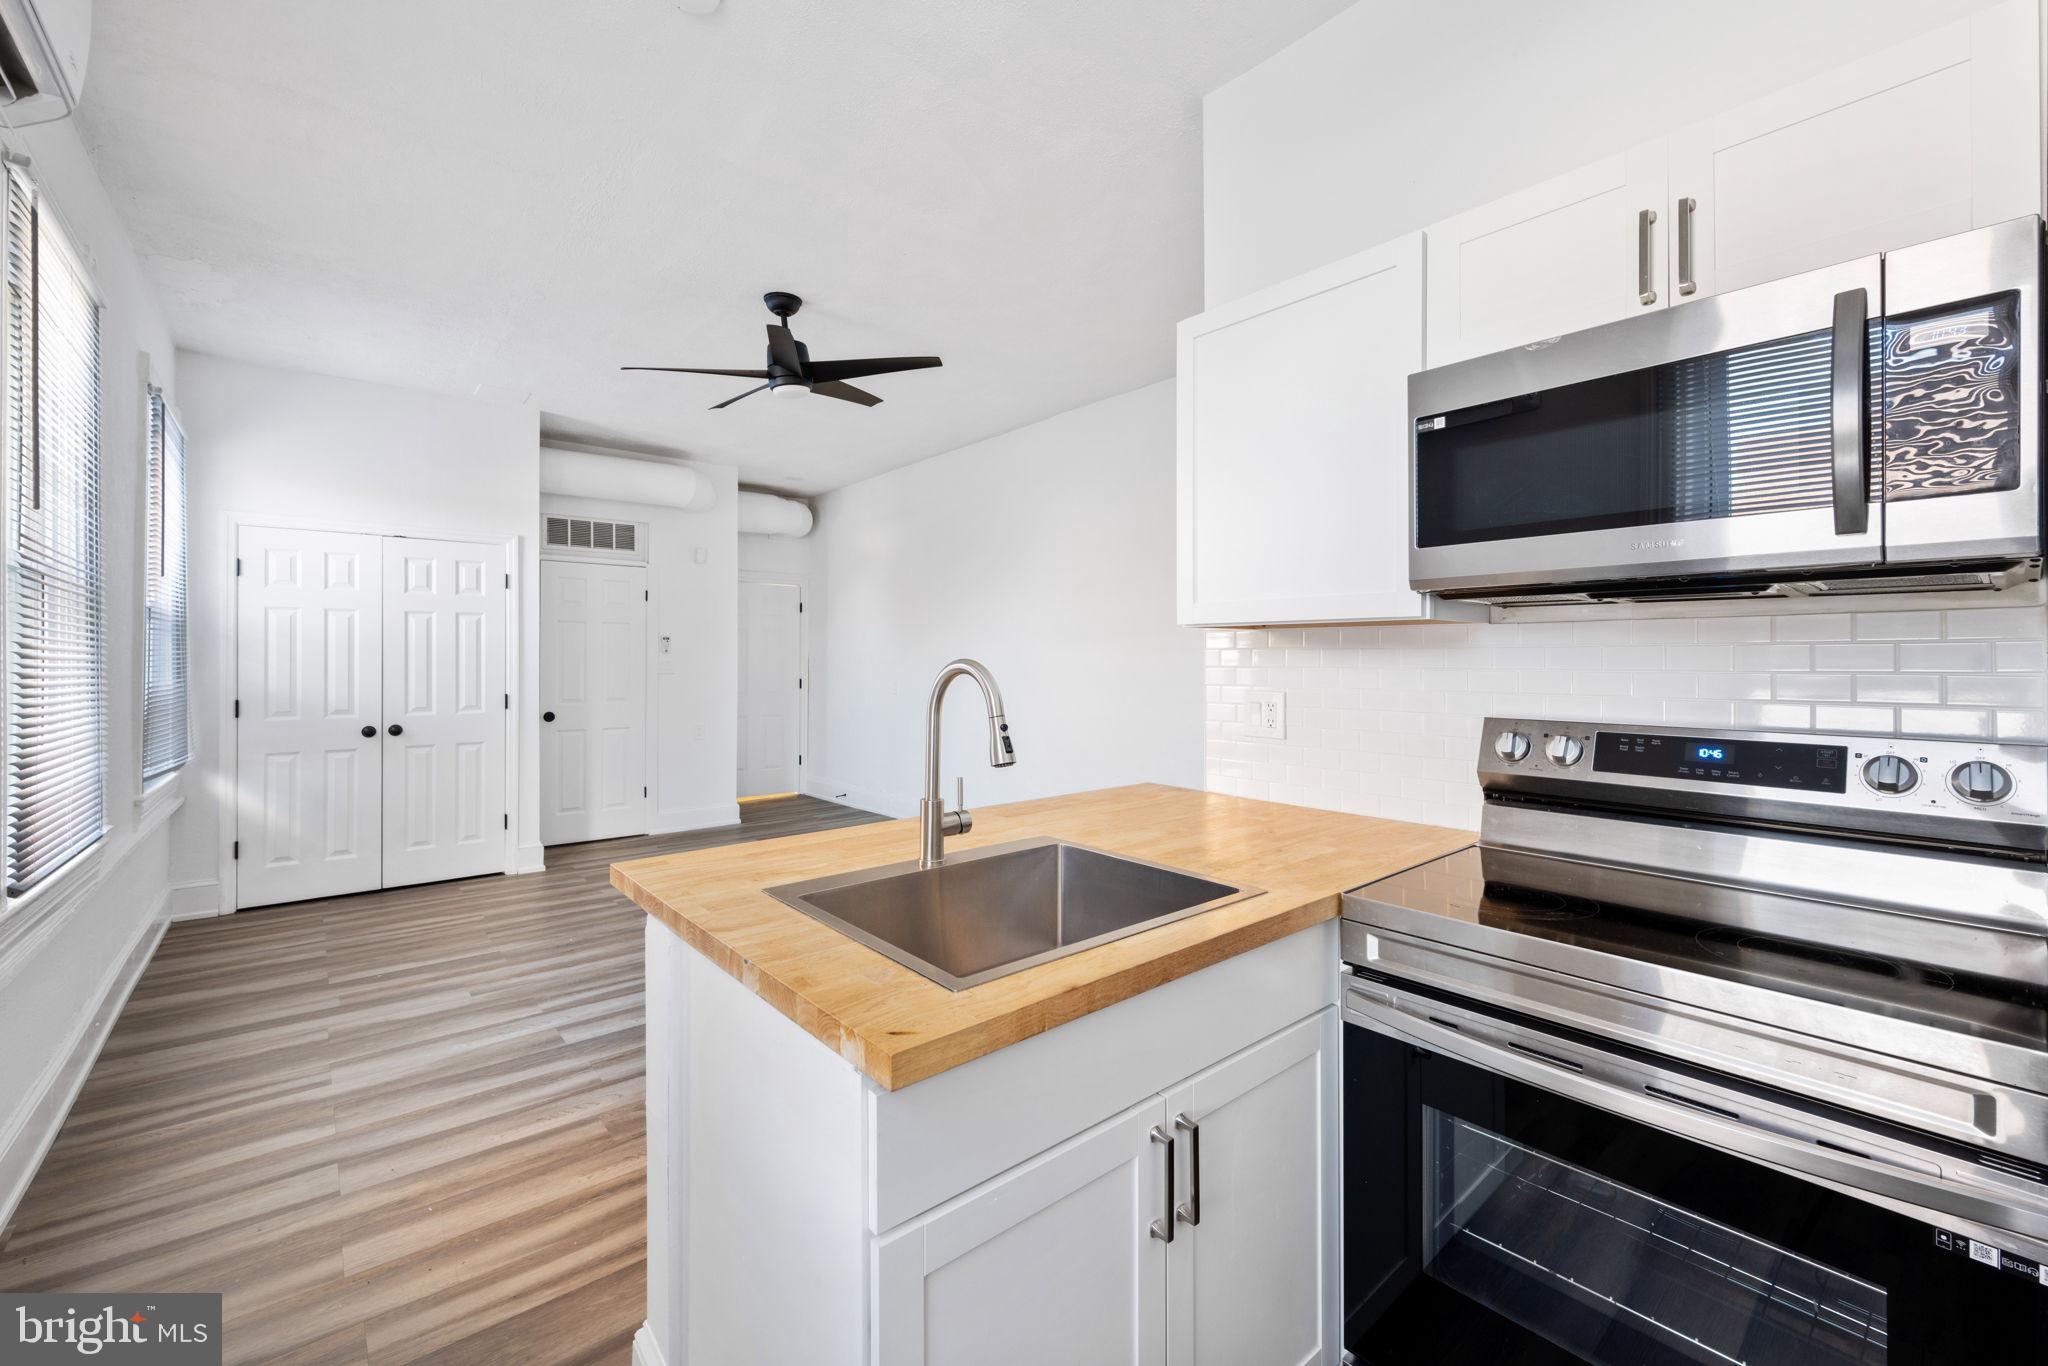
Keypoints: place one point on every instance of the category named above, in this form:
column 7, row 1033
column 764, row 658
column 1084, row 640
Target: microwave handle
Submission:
column 1850, row 368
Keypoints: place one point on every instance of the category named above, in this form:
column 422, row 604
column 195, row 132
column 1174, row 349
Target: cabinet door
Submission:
column 1929, row 138
column 1570, row 253
column 1253, row 1274
column 1050, row 1262
column 1293, row 458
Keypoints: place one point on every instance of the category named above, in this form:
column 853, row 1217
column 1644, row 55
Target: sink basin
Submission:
column 986, row 913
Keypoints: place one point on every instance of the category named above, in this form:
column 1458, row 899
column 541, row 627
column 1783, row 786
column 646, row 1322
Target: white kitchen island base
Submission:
column 1002, row 1211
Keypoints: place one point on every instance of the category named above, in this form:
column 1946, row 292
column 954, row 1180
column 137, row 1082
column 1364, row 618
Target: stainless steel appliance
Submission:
column 1873, row 426
column 1718, row 1046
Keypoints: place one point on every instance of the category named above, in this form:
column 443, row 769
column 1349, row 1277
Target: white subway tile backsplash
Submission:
column 1385, row 721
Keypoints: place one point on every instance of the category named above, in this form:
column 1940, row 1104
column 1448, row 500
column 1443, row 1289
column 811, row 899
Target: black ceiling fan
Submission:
column 791, row 369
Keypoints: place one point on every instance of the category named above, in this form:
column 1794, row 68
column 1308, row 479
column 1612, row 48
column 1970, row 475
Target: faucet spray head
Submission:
column 1001, row 754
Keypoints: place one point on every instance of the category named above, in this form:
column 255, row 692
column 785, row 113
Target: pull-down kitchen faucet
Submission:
column 934, row 820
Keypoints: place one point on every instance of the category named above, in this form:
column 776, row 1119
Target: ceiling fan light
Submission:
column 789, row 386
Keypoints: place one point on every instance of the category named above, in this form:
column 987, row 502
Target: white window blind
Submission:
column 163, row 575
column 55, row 773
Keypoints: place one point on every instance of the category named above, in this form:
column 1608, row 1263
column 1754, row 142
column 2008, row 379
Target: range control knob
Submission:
column 1511, row 745
column 1980, row 781
column 1564, row 750
column 1891, row 775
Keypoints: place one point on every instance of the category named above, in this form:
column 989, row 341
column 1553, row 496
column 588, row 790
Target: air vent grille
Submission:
column 585, row 533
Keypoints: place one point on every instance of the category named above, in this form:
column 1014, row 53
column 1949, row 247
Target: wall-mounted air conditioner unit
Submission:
column 42, row 58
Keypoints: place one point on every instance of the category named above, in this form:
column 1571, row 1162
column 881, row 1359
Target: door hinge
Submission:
column 238, row 708
column 238, row 566
column 644, row 597
column 508, row 579
column 508, row 701
column 238, row 849
column 643, row 791
column 799, row 761
column 799, row 685
column 506, row 817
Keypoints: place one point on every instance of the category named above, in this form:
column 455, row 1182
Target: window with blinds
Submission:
column 55, row 753
column 164, row 729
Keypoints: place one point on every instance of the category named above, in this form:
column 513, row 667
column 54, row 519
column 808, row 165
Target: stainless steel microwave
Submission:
column 1871, row 426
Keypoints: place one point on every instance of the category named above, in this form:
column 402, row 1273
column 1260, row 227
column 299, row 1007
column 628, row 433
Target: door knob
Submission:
column 395, row 729
column 369, row 731
column 547, row 716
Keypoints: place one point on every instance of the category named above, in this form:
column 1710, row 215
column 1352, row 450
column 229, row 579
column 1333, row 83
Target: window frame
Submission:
column 64, row 885
column 153, row 787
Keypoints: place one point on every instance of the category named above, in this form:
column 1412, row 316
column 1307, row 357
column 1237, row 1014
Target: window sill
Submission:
column 161, row 795
column 28, row 921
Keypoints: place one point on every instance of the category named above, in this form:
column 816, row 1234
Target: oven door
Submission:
column 1493, row 1217
column 1729, row 436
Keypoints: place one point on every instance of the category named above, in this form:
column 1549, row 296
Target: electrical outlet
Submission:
column 1269, row 716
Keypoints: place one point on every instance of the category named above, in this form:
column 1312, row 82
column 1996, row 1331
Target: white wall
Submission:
column 58, row 973
column 791, row 555
column 694, row 705
column 314, row 450
column 1047, row 553
column 1392, row 116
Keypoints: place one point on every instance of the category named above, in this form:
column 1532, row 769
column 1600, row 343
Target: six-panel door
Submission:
column 593, row 697
column 771, row 699
column 1051, row 1262
column 308, row 681
column 444, row 710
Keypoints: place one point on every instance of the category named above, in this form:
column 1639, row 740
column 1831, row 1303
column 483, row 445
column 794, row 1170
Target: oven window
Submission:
column 1732, row 434
column 1617, row 1277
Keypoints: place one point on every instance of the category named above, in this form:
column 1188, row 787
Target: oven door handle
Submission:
column 1917, row 1187
column 1849, row 383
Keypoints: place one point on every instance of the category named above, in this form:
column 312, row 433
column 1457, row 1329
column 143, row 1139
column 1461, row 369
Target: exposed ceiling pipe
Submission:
column 768, row 514
column 585, row 474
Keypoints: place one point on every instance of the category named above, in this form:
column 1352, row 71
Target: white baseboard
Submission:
column 695, row 818
column 881, row 803
column 22, row 1150
column 195, row 900
column 529, row 858
column 646, row 1351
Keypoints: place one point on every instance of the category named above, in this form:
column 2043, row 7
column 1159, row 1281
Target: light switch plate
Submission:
column 1268, row 720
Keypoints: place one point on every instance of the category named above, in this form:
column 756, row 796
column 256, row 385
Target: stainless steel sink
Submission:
column 986, row 913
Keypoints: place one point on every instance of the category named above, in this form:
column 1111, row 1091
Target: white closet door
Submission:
column 771, row 698
column 593, row 697
column 308, row 678
column 444, row 710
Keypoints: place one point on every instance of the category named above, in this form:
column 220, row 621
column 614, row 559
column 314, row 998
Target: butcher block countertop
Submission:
column 899, row 1027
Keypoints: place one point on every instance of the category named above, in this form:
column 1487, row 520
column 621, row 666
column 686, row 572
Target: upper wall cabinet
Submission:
column 1581, row 250
column 1932, row 137
column 1293, row 427
column 1929, row 138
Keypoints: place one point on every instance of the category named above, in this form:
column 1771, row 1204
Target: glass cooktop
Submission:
column 1458, row 889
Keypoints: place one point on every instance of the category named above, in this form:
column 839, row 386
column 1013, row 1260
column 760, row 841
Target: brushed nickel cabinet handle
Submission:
column 1162, row 1229
column 1644, row 221
column 1850, row 382
column 1686, row 209
column 1191, row 1212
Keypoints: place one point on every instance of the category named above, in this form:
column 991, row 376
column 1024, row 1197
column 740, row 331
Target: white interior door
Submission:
column 308, row 682
column 444, row 710
column 771, row 687
column 593, row 697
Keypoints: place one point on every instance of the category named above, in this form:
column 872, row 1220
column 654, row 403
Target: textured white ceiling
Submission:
column 511, row 198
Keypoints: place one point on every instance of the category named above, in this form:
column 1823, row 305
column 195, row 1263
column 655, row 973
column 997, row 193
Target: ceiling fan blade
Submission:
column 692, row 370
column 874, row 365
column 782, row 349
column 737, row 397
column 832, row 388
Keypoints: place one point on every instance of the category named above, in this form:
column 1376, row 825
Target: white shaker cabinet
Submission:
column 1293, row 447
column 1582, row 249
column 1053, row 1261
column 1246, row 1277
column 1932, row 137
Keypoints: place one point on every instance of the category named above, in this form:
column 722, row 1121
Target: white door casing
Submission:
column 771, row 687
column 444, row 696
column 308, row 680
column 593, row 681
column 1049, row 1263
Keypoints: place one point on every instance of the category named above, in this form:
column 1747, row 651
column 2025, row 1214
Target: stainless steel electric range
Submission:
column 1719, row 1046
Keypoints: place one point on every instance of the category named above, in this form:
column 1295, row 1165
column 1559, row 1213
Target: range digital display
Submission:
column 1752, row 763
